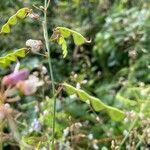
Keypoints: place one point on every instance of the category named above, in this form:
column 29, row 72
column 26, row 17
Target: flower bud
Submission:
column 14, row 77
column 28, row 87
column 35, row 45
column 34, row 16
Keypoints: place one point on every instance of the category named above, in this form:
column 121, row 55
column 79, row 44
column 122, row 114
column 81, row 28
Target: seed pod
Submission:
column 12, row 20
column 5, row 28
column 21, row 14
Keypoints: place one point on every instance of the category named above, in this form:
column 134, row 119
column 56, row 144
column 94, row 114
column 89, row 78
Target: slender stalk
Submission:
column 131, row 127
column 46, row 4
column 1, row 136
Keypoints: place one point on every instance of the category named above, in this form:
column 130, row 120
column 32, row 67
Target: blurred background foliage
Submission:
column 115, row 67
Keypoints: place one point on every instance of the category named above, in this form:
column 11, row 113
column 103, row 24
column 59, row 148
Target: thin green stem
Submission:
column 131, row 127
column 46, row 4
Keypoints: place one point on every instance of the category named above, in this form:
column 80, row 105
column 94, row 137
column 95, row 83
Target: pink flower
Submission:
column 14, row 77
column 29, row 87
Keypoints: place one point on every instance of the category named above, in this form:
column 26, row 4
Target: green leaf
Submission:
column 11, row 57
column 96, row 103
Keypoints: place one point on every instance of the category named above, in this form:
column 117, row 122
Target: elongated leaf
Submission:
column 11, row 57
column 96, row 103
column 21, row 14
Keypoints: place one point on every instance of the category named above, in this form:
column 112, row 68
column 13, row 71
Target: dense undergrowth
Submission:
column 102, row 87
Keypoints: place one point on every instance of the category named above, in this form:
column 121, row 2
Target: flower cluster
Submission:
column 22, row 81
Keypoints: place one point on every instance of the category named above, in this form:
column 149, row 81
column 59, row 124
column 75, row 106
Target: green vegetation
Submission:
column 81, row 80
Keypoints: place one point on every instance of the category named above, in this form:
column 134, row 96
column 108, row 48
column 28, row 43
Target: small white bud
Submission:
column 90, row 136
column 78, row 86
column 34, row 16
column 45, row 112
column 125, row 132
column 95, row 146
column 66, row 132
column 44, row 70
column 35, row 45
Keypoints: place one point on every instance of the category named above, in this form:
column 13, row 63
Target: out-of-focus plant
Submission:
column 122, row 54
column 115, row 70
column 17, row 80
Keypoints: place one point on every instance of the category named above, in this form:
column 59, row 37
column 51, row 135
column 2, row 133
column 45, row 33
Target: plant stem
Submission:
column 1, row 136
column 46, row 4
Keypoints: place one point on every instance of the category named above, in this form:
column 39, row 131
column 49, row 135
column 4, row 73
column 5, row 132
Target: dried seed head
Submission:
column 44, row 70
column 4, row 111
column 132, row 54
column 34, row 16
column 90, row 136
column 35, row 45
column 66, row 132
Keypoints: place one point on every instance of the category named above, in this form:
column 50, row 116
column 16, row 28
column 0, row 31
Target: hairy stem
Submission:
column 46, row 4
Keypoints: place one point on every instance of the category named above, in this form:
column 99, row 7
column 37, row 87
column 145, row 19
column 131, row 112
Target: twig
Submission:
column 46, row 5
